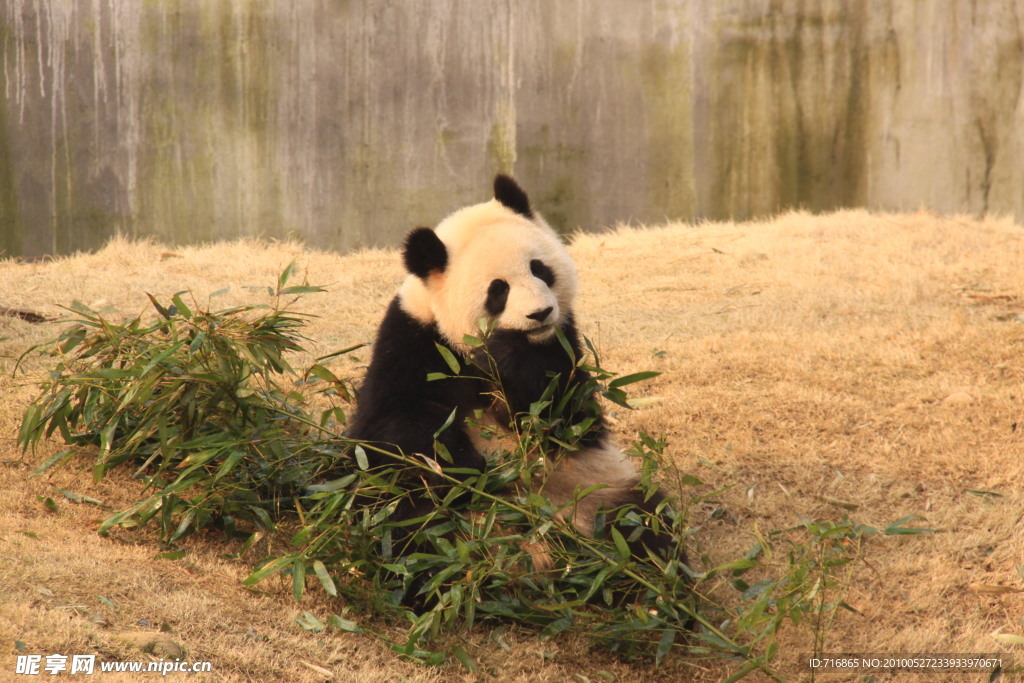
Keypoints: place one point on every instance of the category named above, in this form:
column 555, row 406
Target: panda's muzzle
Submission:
column 544, row 329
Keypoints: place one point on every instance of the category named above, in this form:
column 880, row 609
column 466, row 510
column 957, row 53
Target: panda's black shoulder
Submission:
column 396, row 381
column 404, row 352
column 400, row 326
column 526, row 369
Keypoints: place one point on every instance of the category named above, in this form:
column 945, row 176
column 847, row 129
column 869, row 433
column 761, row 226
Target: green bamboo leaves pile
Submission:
column 205, row 408
column 195, row 402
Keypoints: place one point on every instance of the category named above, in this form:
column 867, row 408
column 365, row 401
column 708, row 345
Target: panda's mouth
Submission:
column 541, row 332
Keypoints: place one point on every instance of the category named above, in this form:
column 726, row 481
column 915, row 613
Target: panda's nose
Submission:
column 541, row 315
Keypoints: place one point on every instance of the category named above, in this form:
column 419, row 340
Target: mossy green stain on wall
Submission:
column 562, row 197
column 501, row 144
column 206, row 168
column 664, row 74
column 10, row 221
column 793, row 121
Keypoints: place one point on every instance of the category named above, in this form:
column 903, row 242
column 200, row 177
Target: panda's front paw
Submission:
column 475, row 461
column 502, row 344
column 498, row 349
column 479, row 357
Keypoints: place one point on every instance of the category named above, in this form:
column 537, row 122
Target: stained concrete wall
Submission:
column 345, row 123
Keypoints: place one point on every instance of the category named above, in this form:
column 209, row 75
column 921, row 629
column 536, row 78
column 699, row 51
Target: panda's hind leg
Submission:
column 606, row 465
column 659, row 540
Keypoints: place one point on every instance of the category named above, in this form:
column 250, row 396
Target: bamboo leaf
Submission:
column 183, row 310
column 323, row 373
column 449, row 358
column 78, row 497
column 282, row 280
column 555, row 627
column 621, row 547
column 268, row 569
column 57, row 458
column 172, row 555
column 325, row 579
column 228, row 466
column 361, row 461
column 184, row 526
column 160, row 309
column 1008, row 639
column 298, row 579
column 563, row 341
column 464, row 659
column 29, row 432
column 897, row 528
column 447, row 423
column 343, row 624
column 335, row 354
column 631, row 379
column 310, row 622
column 301, row 289
column 664, row 645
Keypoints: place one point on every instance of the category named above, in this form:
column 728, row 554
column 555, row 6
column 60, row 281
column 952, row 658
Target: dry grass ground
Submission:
column 850, row 364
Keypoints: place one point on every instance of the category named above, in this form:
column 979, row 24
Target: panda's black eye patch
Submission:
column 542, row 272
column 497, row 297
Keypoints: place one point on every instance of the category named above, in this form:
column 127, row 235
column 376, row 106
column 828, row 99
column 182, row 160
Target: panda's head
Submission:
column 498, row 261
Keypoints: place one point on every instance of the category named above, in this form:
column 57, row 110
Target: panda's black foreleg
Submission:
column 409, row 434
column 404, row 440
column 400, row 436
column 659, row 542
column 525, row 370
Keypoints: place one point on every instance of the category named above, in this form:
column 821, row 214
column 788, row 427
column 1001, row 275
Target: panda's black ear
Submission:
column 424, row 252
column 508, row 192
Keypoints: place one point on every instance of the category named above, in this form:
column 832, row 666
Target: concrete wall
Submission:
column 346, row 123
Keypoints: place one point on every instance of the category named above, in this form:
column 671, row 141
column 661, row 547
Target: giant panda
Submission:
column 501, row 263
